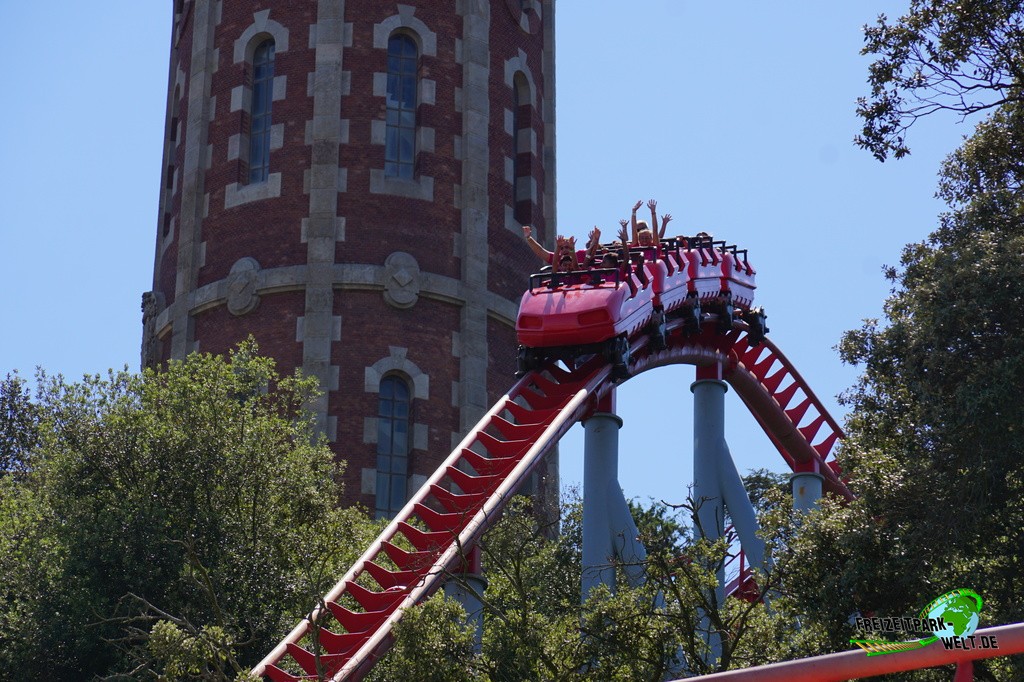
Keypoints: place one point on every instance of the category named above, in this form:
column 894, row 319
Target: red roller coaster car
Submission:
column 567, row 315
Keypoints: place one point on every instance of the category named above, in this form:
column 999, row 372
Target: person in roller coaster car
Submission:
column 615, row 258
column 624, row 262
column 644, row 235
column 565, row 257
column 701, row 240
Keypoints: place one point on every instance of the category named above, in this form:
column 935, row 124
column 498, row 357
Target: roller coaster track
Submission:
column 432, row 535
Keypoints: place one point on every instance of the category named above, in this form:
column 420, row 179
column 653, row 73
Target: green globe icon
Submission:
column 958, row 609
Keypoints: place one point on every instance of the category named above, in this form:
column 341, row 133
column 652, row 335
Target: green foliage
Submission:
column 176, row 520
column 934, row 451
column 661, row 529
column 433, row 644
column 942, row 55
column 19, row 425
column 537, row 629
column 983, row 179
column 532, row 597
column 174, row 525
column 181, row 656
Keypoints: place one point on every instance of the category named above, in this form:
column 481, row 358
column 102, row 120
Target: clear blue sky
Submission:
column 737, row 117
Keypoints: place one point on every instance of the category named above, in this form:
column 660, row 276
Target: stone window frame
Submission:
column 262, row 29
column 385, row 504
column 396, row 363
column 523, row 154
column 526, row 13
column 398, row 131
column 172, row 185
column 175, row 128
column 260, row 111
column 522, row 90
column 406, row 23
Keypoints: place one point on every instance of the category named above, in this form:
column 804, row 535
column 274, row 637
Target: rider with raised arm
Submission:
column 593, row 241
column 664, row 223
column 644, row 234
column 624, row 243
column 565, row 258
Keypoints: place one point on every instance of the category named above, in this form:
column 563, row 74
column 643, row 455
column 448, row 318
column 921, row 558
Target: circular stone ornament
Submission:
column 401, row 280
column 242, row 296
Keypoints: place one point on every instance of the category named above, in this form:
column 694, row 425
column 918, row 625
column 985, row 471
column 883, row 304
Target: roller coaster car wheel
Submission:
column 657, row 331
column 757, row 328
column 617, row 353
column 725, row 316
column 689, row 313
column 692, row 314
column 526, row 361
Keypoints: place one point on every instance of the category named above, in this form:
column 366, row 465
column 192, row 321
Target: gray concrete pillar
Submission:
column 467, row 590
column 467, row 587
column 708, row 436
column 600, row 476
column 741, row 511
column 625, row 537
column 806, row 487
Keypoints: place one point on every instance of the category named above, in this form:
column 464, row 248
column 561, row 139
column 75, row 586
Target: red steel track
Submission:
column 433, row 533
column 852, row 665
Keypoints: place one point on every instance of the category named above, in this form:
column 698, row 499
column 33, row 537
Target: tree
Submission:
column 19, row 427
column 537, row 629
column 933, row 450
column 432, row 644
column 983, row 180
column 942, row 55
column 171, row 525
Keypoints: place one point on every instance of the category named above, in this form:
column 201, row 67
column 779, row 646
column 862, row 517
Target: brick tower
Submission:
column 346, row 181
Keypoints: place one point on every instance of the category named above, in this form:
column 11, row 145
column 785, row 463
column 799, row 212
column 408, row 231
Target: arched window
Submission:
column 400, row 143
column 393, row 445
column 259, row 114
column 521, row 124
column 171, row 153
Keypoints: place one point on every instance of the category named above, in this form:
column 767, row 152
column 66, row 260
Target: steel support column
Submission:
column 600, row 477
column 806, row 487
column 741, row 511
column 708, row 435
column 625, row 537
column 964, row 672
column 467, row 588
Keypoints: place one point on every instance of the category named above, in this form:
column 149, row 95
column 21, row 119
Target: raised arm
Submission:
column 535, row 246
column 636, row 232
column 595, row 240
column 655, row 235
column 664, row 223
column 624, row 238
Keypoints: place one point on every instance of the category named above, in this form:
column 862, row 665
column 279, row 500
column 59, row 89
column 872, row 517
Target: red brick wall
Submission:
column 510, row 262
column 272, row 324
column 267, row 230
column 376, row 224
column 368, row 328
